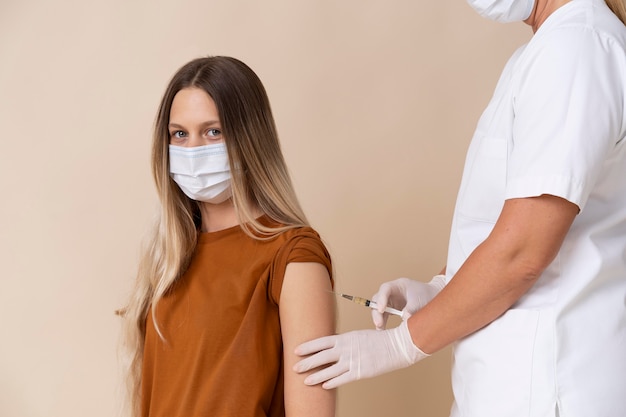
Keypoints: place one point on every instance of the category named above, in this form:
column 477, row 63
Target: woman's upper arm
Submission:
column 307, row 311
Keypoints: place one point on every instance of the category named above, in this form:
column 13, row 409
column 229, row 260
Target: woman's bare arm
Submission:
column 307, row 311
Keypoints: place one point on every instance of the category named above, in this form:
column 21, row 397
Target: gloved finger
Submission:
column 382, row 296
column 316, row 345
column 380, row 320
column 392, row 294
column 379, row 317
column 324, row 357
column 339, row 380
column 333, row 371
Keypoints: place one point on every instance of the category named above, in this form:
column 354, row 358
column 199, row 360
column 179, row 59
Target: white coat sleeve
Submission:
column 568, row 110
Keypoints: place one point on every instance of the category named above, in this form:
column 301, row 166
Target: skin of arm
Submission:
column 523, row 242
column 307, row 311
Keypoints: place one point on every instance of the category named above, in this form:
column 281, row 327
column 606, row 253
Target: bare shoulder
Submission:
column 307, row 304
column 307, row 311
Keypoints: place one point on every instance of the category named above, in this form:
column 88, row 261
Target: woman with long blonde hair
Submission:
column 220, row 297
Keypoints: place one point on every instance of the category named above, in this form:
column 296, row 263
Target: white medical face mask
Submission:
column 503, row 10
column 202, row 172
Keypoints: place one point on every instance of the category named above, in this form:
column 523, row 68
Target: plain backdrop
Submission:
column 375, row 103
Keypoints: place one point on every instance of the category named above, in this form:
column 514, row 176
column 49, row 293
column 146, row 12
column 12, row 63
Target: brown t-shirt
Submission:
column 222, row 354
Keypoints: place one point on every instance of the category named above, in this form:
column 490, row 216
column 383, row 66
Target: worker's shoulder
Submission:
column 577, row 43
column 580, row 25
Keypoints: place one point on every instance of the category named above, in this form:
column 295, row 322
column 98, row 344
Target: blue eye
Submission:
column 214, row 132
column 179, row 134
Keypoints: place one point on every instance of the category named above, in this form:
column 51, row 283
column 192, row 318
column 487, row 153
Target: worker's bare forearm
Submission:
column 504, row 267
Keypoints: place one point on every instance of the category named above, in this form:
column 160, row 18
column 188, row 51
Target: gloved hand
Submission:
column 357, row 355
column 404, row 294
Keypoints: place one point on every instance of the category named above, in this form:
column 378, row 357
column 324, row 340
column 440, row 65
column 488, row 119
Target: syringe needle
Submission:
column 371, row 304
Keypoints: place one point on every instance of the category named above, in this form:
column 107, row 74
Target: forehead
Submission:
column 191, row 104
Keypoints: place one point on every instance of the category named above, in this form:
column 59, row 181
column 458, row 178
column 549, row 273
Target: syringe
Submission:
column 371, row 304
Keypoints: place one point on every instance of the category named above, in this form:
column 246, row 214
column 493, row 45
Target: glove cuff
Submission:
column 404, row 342
column 438, row 281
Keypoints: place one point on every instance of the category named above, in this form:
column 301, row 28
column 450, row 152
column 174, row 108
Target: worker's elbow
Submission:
column 529, row 270
column 529, row 275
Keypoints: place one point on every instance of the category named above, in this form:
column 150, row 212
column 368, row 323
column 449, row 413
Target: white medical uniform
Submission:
column 555, row 125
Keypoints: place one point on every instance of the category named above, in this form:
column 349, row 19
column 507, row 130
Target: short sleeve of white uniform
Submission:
column 568, row 105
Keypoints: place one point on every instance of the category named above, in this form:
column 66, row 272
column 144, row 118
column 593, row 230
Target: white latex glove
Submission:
column 357, row 355
column 404, row 294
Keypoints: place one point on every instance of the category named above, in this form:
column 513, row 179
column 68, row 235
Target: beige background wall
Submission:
column 375, row 103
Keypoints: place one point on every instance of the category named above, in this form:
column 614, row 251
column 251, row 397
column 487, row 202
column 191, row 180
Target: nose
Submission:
column 194, row 140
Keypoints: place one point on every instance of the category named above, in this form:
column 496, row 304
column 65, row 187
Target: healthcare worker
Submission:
column 534, row 293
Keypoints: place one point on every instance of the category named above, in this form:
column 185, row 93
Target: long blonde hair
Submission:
column 619, row 8
column 259, row 179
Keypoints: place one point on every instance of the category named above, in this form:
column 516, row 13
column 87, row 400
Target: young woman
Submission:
column 233, row 277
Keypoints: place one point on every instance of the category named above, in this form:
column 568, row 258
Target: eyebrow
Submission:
column 204, row 124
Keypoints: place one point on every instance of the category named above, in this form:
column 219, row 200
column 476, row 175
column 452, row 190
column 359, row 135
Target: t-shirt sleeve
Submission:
column 305, row 245
column 568, row 113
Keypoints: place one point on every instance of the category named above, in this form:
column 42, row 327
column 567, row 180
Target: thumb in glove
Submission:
column 406, row 294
